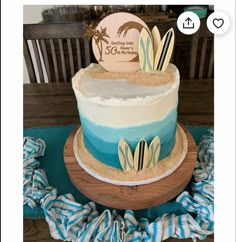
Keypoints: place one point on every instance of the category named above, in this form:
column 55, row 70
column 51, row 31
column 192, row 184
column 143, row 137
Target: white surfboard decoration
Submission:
column 146, row 57
column 125, row 156
column 156, row 39
column 154, row 152
column 141, row 155
column 164, row 51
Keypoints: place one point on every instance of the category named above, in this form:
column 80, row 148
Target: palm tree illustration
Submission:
column 99, row 37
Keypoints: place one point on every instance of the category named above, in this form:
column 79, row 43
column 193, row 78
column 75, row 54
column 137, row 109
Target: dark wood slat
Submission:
column 202, row 58
column 189, row 86
column 193, row 54
column 50, row 106
column 62, row 60
column 30, row 122
column 196, row 119
column 202, row 103
column 211, row 63
column 52, row 30
column 45, row 56
column 78, row 53
column 48, row 89
column 28, row 61
column 54, row 58
column 38, row 60
column 72, row 70
column 87, row 52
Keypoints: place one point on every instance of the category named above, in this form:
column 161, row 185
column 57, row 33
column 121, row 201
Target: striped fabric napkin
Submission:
column 69, row 220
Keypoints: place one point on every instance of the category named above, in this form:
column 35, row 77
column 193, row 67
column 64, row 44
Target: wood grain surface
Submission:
column 130, row 197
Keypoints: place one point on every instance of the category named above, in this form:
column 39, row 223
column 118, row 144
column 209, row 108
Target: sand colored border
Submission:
column 130, row 178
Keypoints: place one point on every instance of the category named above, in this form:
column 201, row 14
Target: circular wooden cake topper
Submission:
column 115, row 42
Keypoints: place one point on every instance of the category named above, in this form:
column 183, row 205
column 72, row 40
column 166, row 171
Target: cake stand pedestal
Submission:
column 131, row 197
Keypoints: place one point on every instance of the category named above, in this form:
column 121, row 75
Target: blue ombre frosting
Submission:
column 102, row 141
column 122, row 106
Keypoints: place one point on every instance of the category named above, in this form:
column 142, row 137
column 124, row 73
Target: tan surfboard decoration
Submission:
column 115, row 41
column 154, row 152
column 153, row 49
column 141, row 155
column 164, row 51
column 146, row 58
column 156, row 39
column 125, row 156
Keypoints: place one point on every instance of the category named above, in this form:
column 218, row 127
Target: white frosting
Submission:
column 120, row 103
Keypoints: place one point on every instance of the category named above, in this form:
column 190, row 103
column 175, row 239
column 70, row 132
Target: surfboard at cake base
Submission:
column 116, row 176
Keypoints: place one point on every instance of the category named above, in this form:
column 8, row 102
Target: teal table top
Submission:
column 53, row 164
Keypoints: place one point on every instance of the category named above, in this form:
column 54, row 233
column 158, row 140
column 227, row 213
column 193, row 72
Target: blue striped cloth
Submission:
column 69, row 220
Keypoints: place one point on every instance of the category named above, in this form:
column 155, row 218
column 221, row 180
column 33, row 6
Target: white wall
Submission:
column 32, row 13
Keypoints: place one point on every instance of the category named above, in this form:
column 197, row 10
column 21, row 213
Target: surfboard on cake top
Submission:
column 154, row 52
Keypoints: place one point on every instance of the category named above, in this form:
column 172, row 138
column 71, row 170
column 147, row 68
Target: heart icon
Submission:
column 218, row 22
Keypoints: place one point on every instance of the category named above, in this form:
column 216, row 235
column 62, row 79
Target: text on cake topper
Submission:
column 115, row 42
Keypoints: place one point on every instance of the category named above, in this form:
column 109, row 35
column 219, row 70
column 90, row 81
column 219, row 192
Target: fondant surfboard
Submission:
column 146, row 58
column 154, row 152
column 141, row 155
column 164, row 51
column 156, row 39
column 125, row 156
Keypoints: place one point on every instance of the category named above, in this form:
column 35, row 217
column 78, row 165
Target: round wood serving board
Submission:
column 130, row 197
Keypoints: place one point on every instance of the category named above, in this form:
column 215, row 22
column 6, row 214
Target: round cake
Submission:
column 126, row 106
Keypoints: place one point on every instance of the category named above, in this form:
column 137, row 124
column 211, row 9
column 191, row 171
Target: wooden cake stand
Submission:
column 131, row 197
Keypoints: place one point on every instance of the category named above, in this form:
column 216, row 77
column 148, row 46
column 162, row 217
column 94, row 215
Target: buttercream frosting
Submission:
column 120, row 102
column 129, row 106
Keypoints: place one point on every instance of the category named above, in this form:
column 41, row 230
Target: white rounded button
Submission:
column 218, row 23
column 188, row 23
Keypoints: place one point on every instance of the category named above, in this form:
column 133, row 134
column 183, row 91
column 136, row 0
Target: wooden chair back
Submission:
column 202, row 55
column 60, row 50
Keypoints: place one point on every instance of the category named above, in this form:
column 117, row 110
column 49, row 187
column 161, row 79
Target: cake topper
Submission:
column 115, row 42
column 154, row 53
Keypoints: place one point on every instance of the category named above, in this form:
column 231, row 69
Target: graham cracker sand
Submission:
column 155, row 78
column 116, row 176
